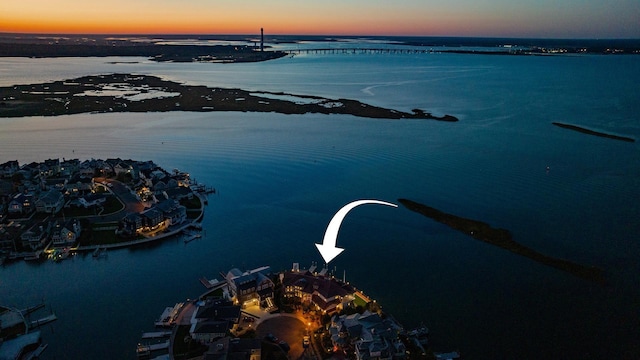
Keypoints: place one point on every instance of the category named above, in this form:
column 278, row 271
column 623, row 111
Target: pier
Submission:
column 43, row 321
column 156, row 334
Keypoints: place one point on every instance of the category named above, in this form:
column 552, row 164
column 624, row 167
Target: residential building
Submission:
column 322, row 292
column 252, row 286
column 21, row 204
column 65, row 233
column 130, row 225
column 9, row 168
column 51, row 167
column 172, row 211
column 152, row 219
column 69, row 167
column 36, row 236
column 371, row 336
column 213, row 319
column 50, row 202
column 79, row 184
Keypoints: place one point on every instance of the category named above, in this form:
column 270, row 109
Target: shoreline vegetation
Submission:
column 503, row 238
column 146, row 93
column 45, row 46
column 592, row 132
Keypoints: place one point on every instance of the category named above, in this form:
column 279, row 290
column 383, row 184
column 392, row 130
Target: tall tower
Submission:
column 261, row 39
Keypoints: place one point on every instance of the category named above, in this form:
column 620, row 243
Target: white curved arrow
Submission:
column 328, row 248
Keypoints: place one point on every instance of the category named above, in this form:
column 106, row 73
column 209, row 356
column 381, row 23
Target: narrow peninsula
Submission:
column 502, row 238
column 146, row 93
column 592, row 132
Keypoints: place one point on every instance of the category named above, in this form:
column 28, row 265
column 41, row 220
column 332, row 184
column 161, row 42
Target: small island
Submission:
column 298, row 313
column 145, row 93
column 54, row 209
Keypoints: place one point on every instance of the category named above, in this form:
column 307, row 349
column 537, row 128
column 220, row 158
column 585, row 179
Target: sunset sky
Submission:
column 499, row 18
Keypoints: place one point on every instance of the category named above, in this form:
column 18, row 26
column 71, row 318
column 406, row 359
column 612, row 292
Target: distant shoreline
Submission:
column 244, row 48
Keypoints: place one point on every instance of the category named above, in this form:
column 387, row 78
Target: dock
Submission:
column 43, row 321
column 156, row 334
column 167, row 319
column 145, row 350
column 209, row 284
column 99, row 251
column 31, row 309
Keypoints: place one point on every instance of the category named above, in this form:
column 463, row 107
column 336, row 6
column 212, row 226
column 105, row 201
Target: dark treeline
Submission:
column 178, row 53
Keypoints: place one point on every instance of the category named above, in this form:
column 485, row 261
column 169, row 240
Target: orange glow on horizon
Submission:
column 330, row 17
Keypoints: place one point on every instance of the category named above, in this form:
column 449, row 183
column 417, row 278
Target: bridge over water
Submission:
column 358, row 51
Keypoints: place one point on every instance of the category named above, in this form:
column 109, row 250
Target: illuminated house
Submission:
column 251, row 286
column 65, row 233
column 21, row 204
column 325, row 293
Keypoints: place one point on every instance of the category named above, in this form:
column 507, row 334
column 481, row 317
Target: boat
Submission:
column 60, row 255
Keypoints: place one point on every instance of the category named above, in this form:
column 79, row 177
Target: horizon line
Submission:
column 4, row 33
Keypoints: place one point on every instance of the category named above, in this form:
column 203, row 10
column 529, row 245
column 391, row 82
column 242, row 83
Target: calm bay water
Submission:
column 281, row 178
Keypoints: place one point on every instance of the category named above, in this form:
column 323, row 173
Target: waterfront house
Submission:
column 51, row 167
column 217, row 309
column 31, row 170
column 88, row 168
column 213, row 318
column 323, row 293
column 50, row 202
column 152, row 219
column 36, row 236
column 65, row 233
column 372, row 337
column 122, row 168
column 251, row 286
column 172, row 211
column 9, row 168
column 69, row 167
column 130, row 225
